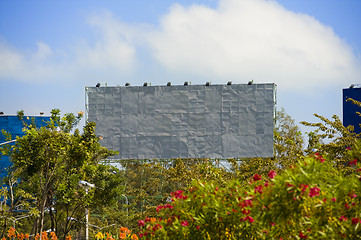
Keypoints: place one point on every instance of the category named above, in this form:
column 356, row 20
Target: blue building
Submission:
column 14, row 126
column 350, row 117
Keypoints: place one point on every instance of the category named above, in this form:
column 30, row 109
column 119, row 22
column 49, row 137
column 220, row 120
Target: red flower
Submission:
column 257, row 177
column 318, row 156
column 354, row 162
column 266, row 184
column 246, row 203
column 246, row 212
column 184, row 223
column 198, row 227
column 178, row 195
column 156, row 227
column 333, row 199
column 352, row 195
column 160, row 207
column 141, row 223
column 301, row 235
column 314, row 192
column 258, row 189
column 249, row 218
column 303, row 187
column 272, row 174
column 343, row 218
column 355, row 220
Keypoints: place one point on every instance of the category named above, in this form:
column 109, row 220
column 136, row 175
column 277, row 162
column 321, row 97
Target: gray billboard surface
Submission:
column 194, row 121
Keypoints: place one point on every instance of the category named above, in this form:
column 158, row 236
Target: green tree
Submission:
column 331, row 137
column 288, row 141
column 51, row 160
column 15, row 204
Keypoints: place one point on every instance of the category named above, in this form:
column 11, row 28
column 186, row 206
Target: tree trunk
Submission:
column 34, row 229
column 42, row 212
column 52, row 218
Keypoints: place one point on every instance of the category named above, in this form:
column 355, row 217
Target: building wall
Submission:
column 195, row 121
column 350, row 116
column 14, row 126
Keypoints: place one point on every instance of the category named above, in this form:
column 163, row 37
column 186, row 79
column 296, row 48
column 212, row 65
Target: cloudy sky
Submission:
column 51, row 50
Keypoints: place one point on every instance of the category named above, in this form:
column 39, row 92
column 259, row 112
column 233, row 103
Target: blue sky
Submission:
column 51, row 50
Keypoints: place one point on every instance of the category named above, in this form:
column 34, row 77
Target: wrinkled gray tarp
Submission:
column 196, row 121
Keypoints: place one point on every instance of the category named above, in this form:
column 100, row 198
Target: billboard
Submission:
column 350, row 117
column 194, row 121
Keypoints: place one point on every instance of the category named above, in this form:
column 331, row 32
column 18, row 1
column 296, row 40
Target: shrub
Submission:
column 310, row 200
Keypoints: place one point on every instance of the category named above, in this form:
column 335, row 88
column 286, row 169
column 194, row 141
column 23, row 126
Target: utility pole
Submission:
column 86, row 186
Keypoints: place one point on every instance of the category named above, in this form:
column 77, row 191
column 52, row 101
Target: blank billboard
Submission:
column 194, row 121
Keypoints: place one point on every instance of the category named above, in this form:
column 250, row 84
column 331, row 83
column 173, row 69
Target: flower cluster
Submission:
column 178, row 195
column 164, row 207
column 307, row 201
column 124, row 233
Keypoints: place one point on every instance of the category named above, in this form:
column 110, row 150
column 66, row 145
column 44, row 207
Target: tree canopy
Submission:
column 50, row 161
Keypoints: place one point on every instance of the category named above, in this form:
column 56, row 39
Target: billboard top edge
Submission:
column 194, row 85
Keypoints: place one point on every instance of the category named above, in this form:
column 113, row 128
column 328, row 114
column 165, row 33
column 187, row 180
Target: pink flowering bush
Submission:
column 310, row 200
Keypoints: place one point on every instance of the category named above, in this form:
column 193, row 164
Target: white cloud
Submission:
column 16, row 65
column 10, row 60
column 110, row 55
column 113, row 50
column 239, row 40
column 259, row 39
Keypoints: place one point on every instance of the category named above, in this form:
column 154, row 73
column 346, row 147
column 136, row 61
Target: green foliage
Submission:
column 331, row 138
column 50, row 161
column 16, row 204
column 288, row 141
column 311, row 199
column 355, row 102
column 147, row 183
